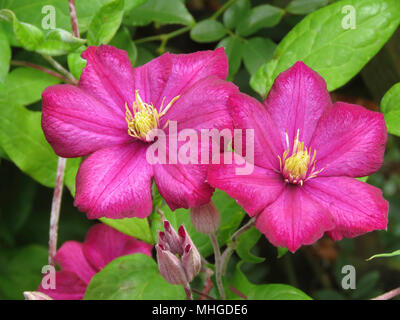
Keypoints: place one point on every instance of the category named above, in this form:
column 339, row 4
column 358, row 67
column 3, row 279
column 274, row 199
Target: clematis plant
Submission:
column 108, row 118
column 79, row 262
column 307, row 155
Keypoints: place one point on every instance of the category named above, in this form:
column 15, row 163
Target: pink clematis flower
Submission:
column 79, row 262
column 307, row 154
column 110, row 113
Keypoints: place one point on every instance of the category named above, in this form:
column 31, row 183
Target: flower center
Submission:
column 300, row 165
column 145, row 117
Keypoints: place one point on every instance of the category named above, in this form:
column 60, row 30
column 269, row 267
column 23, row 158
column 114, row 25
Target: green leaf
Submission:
column 29, row 36
column 123, row 40
column 303, row 7
column 31, row 11
column 5, row 55
column 235, row 13
column 234, row 51
column 21, row 270
column 258, row 50
column 385, row 255
column 22, row 138
column 208, row 31
column 132, row 277
column 59, row 42
column 365, row 286
column 363, row 179
column 282, row 252
column 245, row 243
column 76, row 63
column 105, row 23
column 390, row 106
column 161, row 11
column 231, row 216
column 25, row 85
column 336, row 53
column 263, row 16
column 134, row 227
column 262, row 292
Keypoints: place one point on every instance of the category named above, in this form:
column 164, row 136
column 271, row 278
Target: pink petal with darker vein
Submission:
column 115, row 183
column 76, row 124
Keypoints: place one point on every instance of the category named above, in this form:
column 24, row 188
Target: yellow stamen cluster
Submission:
column 300, row 166
column 145, row 116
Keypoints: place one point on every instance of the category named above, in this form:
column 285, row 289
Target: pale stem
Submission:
column 388, row 295
column 55, row 209
column 232, row 245
column 42, row 69
column 60, row 69
column 74, row 19
column 57, row 196
column 218, row 265
column 188, row 291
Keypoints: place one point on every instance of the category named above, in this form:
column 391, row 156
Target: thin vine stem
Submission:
column 74, row 18
column 188, row 291
column 232, row 244
column 165, row 37
column 62, row 162
column 60, row 69
column 55, row 210
column 218, row 261
column 42, row 69
column 388, row 295
column 221, row 10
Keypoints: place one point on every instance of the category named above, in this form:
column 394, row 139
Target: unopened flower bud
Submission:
column 172, row 238
column 170, row 266
column 206, row 218
column 179, row 261
column 191, row 261
column 36, row 295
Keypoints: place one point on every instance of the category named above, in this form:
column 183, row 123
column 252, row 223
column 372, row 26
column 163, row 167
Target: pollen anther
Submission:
column 144, row 117
column 300, row 165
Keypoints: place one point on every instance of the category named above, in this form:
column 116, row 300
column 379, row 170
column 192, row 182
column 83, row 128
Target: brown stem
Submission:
column 236, row 291
column 55, row 210
column 388, row 295
column 207, row 288
column 42, row 69
column 74, row 18
column 203, row 295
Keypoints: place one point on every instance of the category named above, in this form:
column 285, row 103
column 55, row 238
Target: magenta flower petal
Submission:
column 182, row 185
column 103, row 244
column 248, row 190
column 355, row 206
column 76, row 124
column 151, row 79
column 248, row 113
column 108, row 76
column 70, row 257
column 297, row 100
column 350, row 141
column 203, row 106
column 294, row 219
column 187, row 69
column 115, row 183
column 68, row 287
column 80, row 262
